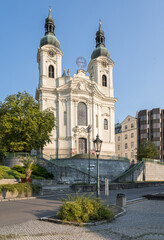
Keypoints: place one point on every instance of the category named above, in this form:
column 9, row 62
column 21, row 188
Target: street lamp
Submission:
column 89, row 131
column 97, row 146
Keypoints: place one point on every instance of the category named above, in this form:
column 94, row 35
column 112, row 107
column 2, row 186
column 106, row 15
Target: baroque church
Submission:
column 83, row 105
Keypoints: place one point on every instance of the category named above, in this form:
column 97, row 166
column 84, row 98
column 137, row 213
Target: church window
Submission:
column 65, row 118
column 51, row 71
column 104, row 80
column 96, row 121
column 105, row 124
column 82, row 114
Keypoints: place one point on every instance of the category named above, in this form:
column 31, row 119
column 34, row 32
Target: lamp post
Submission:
column 89, row 167
column 97, row 146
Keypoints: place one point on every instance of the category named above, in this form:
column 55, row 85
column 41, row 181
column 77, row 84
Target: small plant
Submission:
column 83, row 209
column 28, row 163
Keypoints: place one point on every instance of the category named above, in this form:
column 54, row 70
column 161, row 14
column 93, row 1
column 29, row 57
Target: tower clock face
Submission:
column 104, row 64
column 51, row 53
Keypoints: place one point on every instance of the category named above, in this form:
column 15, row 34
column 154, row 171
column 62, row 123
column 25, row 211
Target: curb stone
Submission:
column 58, row 221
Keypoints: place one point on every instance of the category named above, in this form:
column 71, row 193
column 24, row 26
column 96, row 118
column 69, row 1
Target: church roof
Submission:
column 49, row 37
column 100, row 49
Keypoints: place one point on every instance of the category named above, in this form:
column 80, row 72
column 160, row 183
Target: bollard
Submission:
column 121, row 200
column 106, row 187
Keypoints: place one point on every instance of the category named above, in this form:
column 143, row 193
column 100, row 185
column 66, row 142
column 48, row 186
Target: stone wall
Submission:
column 76, row 170
column 9, row 181
column 154, row 171
column 150, row 170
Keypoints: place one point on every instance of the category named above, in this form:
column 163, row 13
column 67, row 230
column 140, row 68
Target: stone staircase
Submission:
column 56, row 190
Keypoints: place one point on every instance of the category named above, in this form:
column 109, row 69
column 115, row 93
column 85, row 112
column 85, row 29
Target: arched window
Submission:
column 82, row 114
column 104, row 80
column 105, row 124
column 51, row 71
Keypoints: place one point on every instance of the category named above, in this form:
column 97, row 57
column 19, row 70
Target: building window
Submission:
column 156, row 116
column 132, row 125
column 104, row 80
column 156, row 125
column 105, row 124
column 156, row 134
column 118, row 138
column 157, row 143
column 143, row 118
column 126, row 136
column 126, row 145
column 51, row 71
column 132, row 154
column 96, row 121
column 82, row 114
column 128, row 119
column 118, row 147
column 126, row 127
column 126, row 155
column 132, row 135
column 132, row 144
column 65, row 118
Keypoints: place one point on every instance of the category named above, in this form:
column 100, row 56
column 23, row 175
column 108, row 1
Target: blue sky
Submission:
column 134, row 31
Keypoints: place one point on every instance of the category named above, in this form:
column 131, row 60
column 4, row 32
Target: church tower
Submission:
column 49, row 56
column 100, row 67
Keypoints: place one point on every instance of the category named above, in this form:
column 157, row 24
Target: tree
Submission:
column 147, row 149
column 23, row 126
column 28, row 163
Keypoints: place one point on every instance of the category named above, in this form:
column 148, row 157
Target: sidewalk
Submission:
column 143, row 221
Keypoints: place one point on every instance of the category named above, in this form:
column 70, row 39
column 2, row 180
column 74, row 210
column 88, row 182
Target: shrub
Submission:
column 1, row 156
column 38, row 172
column 8, row 173
column 42, row 172
column 25, row 188
column 19, row 169
column 83, row 209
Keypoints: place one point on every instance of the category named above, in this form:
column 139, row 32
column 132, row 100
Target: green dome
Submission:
column 49, row 39
column 100, row 51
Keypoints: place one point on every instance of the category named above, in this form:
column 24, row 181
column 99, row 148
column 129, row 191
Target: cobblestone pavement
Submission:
column 143, row 221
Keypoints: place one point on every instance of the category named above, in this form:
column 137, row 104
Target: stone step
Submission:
column 56, row 191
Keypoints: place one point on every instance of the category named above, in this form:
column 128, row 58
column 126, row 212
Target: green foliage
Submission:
column 23, row 126
column 8, row 173
column 19, row 169
column 83, row 209
column 28, row 162
column 1, row 156
column 38, row 172
column 41, row 172
column 147, row 149
column 21, row 188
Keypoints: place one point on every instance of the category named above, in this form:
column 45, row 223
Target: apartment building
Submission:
column 126, row 138
column 151, row 128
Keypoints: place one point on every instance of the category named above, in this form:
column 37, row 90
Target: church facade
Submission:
column 83, row 105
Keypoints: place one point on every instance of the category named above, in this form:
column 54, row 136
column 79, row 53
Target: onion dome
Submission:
column 100, row 49
column 49, row 37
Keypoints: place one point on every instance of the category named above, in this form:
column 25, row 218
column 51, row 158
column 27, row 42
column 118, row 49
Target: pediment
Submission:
column 83, row 86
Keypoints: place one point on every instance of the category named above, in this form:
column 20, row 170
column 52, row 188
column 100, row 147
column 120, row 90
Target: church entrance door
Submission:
column 82, row 145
